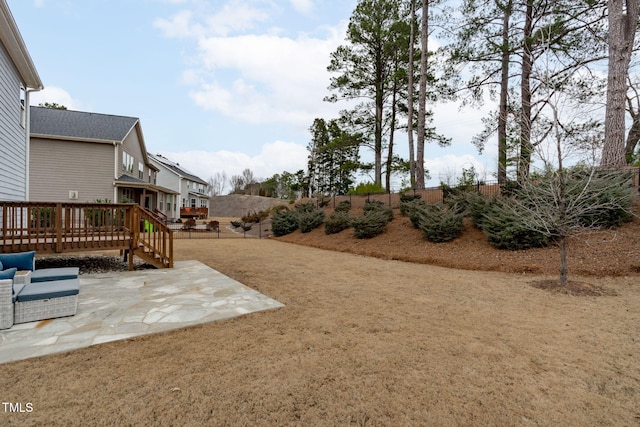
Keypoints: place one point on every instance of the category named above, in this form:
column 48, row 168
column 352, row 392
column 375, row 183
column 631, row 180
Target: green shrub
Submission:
column 507, row 227
column 310, row 220
column 305, row 207
column 409, row 209
column 368, row 188
column 284, row 222
column 439, row 223
column 478, row 207
column 343, row 206
column 377, row 207
column 404, row 197
column 236, row 224
column 370, row 225
column 337, row 222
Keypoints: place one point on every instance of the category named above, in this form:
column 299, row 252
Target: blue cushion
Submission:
column 22, row 260
column 8, row 273
column 46, row 290
column 48, row 274
column 1, row 268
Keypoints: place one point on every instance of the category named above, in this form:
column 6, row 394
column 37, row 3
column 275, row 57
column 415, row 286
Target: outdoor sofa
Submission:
column 28, row 295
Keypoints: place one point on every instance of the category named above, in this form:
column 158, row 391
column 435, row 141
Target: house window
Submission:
column 23, row 111
column 203, row 203
column 140, row 170
column 184, row 202
column 127, row 162
column 193, row 203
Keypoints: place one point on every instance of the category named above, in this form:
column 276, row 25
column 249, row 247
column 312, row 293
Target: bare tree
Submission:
column 248, row 180
column 237, row 184
column 217, row 183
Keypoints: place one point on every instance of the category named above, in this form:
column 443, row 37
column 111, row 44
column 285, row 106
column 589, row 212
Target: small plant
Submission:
column 407, row 207
column 507, row 226
column 370, row 225
column 404, row 197
column 255, row 217
column 310, row 220
column 478, row 208
column 284, row 222
column 337, row 222
column 236, row 224
column 213, row 226
column 189, row 224
column 377, row 207
column 343, row 206
column 305, row 207
column 439, row 223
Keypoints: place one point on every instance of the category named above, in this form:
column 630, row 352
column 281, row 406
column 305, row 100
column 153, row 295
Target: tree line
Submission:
column 521, row 55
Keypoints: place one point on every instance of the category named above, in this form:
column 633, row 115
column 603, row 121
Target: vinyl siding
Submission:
column 12, row 135
column 132, row 145
column 59, row 166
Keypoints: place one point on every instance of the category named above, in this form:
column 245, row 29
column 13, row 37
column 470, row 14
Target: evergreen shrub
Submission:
column 308, row 221
column 370, row 225
column 284, row 222
column 506, row 226
column 439, row 223
column 337, row 222
column 343, row 206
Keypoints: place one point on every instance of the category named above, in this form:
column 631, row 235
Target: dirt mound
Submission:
column 237, row 205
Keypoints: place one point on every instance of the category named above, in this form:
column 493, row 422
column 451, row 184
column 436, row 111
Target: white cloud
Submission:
column 302, row 6
column 275, row 157
column 53, row 94
column 234, row 16
column 276, row 79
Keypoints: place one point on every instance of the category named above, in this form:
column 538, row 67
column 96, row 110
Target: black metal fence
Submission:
column 224, row 230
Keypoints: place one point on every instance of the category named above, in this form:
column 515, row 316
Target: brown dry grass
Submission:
column 367, row 341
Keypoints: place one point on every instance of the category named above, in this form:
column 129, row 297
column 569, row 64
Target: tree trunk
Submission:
column 504, row 89
column 392, row 130
column 622, row 30
column 422, row 95
column 412, row 159
column 525, row 91
column 633, row 137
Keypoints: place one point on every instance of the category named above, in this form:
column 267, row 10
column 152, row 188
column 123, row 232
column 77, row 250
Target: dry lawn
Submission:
column 366, row 341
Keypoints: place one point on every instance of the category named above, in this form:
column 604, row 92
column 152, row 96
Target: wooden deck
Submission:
column 78, row 227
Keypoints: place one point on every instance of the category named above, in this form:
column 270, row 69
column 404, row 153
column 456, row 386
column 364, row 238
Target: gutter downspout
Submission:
column 115, row 171
column 27, row 128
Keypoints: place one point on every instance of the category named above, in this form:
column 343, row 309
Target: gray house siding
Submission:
column 12, row 135
column 168, row 179
column 58, row 167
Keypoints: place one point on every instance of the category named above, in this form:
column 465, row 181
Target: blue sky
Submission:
column 219, row 85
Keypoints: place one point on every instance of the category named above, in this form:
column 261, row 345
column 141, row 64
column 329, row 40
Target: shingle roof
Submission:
column 177, row 169
column 79, row 124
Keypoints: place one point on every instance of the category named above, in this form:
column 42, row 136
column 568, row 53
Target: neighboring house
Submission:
column 18, row 77
column 192, row 192
column 84, row 157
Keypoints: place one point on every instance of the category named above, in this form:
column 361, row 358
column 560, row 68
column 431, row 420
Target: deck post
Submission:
column 58, row 226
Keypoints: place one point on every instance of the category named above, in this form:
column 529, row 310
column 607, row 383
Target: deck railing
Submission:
column 68, row 227
column 201, row 213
